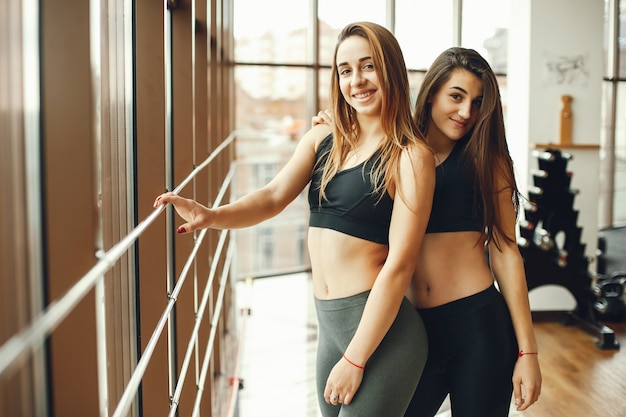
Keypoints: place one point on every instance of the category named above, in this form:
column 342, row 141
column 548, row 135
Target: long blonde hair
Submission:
column 396, row 118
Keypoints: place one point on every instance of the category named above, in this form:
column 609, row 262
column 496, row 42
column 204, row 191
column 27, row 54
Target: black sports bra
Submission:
column 350, row 206
column 454, row 208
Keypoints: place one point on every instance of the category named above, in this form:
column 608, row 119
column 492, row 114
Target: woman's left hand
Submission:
column 526, row 381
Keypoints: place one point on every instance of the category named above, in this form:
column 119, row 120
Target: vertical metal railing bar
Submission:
column 95, row 42
column 194, row 335
column 214, row 325
column 169, row 183
column 194, row 152
column 31, row 90
column 12, row 352
column 101, row 356
column 130, row 111
column 196, row 308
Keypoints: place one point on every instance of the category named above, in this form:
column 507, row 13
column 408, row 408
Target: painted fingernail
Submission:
column 181, row 229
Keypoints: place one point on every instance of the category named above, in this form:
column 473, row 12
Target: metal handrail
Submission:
column 12, row 352
column 214, row 326
column 31, row 338
column 133, row 384
column 205, row 296
column 199, row 315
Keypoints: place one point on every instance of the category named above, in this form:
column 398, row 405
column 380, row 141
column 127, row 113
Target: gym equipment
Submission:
column 609, row 292
column 549, row 241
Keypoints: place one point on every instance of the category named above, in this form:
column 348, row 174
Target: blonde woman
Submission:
column 371, row 181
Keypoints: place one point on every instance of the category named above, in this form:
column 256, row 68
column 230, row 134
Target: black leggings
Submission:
column 472, row 350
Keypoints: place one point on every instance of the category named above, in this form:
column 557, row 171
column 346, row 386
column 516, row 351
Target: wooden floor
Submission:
column 579, row 379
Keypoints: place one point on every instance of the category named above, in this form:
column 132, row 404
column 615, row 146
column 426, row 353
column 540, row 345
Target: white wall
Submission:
column 547, row 35
column 561, row 30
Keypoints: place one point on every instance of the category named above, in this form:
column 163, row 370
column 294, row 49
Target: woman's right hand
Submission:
column 343, row 382
column 324, row 117
column 195, row 214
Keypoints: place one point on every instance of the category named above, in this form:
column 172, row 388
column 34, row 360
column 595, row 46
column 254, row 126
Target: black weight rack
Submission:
column 550, row 243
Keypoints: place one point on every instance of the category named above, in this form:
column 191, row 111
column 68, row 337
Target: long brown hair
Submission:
column 396, row 117
column 486, row 151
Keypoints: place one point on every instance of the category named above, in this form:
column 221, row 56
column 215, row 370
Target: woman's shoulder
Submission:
column 420, row 150
column 417, row 161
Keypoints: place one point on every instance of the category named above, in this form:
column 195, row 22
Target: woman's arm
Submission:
column 258, row 205
column 411, row 210
column 508, row 268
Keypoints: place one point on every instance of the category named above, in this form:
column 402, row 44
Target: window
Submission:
column 487, row 36
column 418, row 20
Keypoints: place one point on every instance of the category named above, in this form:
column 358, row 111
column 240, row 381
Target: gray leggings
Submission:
column 392, row 372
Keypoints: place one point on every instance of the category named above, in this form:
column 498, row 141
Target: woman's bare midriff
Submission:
column 343, row 265
column 450, row 266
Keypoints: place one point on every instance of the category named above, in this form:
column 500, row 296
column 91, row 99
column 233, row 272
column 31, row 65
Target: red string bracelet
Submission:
column 352, row 363
column 522, row 353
